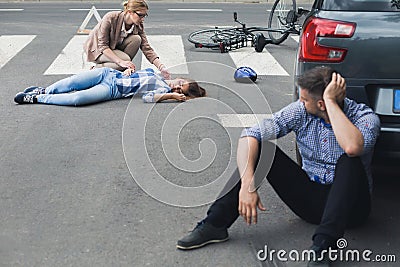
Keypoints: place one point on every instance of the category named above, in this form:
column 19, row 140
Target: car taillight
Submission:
column 311, row 50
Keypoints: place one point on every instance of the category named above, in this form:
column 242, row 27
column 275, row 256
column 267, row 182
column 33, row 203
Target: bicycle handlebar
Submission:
column 235, row 19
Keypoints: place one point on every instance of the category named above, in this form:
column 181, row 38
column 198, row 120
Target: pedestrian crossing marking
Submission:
column 10, row 45
column 263, row 63
column 171, row 52
column 72, row 59
column 170, row 48
column 296, row 38
column 241, row 120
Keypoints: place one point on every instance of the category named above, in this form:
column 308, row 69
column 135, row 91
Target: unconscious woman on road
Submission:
column 116, row 39
column 105, row 84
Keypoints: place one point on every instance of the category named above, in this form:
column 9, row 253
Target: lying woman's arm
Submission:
column 168, row 96
column 161, row 95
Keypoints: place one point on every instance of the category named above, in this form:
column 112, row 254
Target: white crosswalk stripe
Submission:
column 71, row 60
column 171, row 52
column 241, row 120
column 263, row 63
column 10, row 45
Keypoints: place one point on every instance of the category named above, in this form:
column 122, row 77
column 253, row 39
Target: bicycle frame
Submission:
column 236, row 37
column 249, row 30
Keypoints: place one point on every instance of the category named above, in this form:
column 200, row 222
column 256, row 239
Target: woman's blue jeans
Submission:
column 84, row 88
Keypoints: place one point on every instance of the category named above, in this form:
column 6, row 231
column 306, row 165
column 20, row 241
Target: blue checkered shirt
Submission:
column 316, row 141
column 145, row 82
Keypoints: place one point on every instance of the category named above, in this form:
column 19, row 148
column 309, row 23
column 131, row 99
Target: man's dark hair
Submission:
column 316, row 80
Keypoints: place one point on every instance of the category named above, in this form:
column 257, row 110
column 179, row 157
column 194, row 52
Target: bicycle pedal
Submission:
column 291, row 17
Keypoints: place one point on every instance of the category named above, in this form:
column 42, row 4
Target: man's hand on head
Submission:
column 336, row 89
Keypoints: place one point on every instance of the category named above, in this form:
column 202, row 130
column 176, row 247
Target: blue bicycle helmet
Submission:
column 245, row 75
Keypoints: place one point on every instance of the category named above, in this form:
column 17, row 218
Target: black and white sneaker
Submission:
column 35, row 90
column 203, row 234
column 24, row 98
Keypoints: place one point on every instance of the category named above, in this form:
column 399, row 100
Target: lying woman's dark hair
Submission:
column 195, row 90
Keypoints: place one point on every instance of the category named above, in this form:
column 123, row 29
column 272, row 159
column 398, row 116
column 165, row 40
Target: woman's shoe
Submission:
column 24, row 98
column 35, row 90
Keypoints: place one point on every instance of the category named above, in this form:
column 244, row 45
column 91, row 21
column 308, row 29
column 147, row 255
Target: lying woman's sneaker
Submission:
column 24, row 98
column 35, row 90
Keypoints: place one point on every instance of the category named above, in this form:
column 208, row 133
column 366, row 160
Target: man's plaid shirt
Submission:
column 316, row 141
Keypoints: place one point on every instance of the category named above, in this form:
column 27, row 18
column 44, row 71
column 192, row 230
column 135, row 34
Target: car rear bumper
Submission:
column 388, row 143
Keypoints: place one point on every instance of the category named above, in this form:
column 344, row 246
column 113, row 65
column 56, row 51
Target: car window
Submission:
column 361, row 5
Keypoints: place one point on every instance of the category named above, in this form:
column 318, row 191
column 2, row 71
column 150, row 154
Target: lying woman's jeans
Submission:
column 84, row 88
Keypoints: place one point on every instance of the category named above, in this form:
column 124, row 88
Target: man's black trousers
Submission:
column 345, row 203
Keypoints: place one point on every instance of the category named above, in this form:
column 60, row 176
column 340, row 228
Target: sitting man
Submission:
column 335, row 136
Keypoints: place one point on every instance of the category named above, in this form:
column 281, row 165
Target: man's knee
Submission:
column 352, row 164
column 350, row 171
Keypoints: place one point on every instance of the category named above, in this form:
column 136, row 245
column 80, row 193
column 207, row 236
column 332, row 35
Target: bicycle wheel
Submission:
column 277, row 19
column 213, row 38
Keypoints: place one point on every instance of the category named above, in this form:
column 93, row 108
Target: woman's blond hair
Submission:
column 135, row 5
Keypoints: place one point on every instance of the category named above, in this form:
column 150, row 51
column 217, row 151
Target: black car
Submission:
column 360, row 40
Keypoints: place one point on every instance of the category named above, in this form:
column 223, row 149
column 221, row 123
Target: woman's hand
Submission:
column 165, row 73
column 127, row 64
column 178, row 97
column 169, row 96
column 129, row 71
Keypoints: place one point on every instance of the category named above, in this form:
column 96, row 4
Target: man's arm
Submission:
column 347, row 134
column 249, row 201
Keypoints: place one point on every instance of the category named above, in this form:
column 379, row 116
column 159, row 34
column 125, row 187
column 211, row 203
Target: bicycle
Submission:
column 284, row 16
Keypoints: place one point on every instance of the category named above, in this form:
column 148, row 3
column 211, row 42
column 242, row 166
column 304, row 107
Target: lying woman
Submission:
column 105, row 84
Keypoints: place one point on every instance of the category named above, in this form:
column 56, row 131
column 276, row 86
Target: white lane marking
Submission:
column 171, row 52
column 296, row 38
column 241, row 120
column 10, row 45
column 98, row 9
column 194, row 10
column 11, row 9
column 71, row 60
column 263, row 63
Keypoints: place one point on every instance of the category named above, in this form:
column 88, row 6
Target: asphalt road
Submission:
column 91, row 186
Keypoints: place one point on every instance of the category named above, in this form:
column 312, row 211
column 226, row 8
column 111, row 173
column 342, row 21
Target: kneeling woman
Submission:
column 105, row 84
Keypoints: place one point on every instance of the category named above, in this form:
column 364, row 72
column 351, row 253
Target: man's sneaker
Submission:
column 35, row 90
column 203, row 234
column 23, row 98
column 319, row 260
